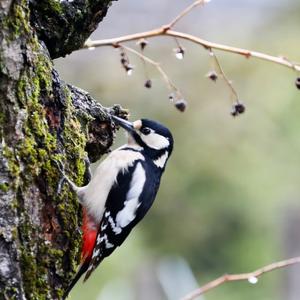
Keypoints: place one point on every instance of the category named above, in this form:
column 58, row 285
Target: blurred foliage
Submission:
column 224, row 199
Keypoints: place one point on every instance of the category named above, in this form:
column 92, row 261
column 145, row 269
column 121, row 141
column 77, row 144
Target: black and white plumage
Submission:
column 123, row 188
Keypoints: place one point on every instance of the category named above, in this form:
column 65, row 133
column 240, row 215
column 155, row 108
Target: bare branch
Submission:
column 206, row 44
column 247, row 53
column 251, row 277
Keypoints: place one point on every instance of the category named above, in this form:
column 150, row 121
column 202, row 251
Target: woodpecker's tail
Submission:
column 82, row 269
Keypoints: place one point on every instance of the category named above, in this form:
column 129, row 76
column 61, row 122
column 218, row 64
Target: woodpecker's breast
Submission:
column 96, row 192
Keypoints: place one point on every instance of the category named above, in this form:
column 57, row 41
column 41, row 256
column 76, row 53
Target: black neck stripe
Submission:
column 131, row 149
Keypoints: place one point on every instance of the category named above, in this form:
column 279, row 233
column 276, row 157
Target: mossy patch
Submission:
column 18, row 24
column 39, row 149
column 4, row 186
column 55, row 6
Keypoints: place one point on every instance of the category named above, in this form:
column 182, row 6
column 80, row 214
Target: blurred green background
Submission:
column 229, row 200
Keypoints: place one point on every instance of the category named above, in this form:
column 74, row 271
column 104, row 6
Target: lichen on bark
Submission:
column 42, row 119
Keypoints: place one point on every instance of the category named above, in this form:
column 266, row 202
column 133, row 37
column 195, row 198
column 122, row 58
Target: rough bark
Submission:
column 42, row 119
column 65, row 25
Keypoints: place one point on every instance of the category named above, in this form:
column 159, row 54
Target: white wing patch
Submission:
column 94, row 194
column 116, row 229
column 100, row 239
column 155, row 141
column 161, row 161
column 127, row 214
column 107, row 243
column 96, row 253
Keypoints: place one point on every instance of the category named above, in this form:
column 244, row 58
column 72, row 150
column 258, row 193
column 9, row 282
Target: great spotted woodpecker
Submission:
column 121, row 191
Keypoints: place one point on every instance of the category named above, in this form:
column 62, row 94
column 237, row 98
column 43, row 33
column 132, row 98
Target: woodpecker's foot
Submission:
column 60, row 166
column 61, row 182
column 64, row 178
column 60, row 185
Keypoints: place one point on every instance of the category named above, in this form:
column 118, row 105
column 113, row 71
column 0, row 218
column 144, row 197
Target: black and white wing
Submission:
column 123, row 210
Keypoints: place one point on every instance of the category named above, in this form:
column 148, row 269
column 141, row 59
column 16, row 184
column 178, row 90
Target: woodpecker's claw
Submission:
column 64, row 178
column 60, row 167
column 60, row 185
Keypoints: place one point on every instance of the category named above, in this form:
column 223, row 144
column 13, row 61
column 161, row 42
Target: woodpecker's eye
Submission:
column 145, row 130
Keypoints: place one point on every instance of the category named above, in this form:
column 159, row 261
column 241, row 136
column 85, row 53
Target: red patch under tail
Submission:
column 89, row 230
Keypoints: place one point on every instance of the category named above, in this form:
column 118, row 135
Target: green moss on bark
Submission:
column 36, row 149
column 55, row 6
column 18, row 24
column 4, row 186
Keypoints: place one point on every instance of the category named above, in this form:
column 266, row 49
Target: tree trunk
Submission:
column 42, row 119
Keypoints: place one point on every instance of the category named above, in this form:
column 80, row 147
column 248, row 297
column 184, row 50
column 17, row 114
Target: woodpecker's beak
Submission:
column 128, row 126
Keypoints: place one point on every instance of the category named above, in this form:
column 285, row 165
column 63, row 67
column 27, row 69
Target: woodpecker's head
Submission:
column 155, row 139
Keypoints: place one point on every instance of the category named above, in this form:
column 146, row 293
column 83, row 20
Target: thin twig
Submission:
column 251, row 277
column 184, row 13
column 293, row 64
column 222, row 73
column 145, row 68
column 172, row 87
column 177, row 42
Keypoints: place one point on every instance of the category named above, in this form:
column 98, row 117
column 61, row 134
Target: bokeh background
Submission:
column 229, row 200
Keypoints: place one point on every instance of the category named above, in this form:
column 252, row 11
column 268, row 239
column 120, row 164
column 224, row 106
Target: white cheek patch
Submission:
column 155, row 141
